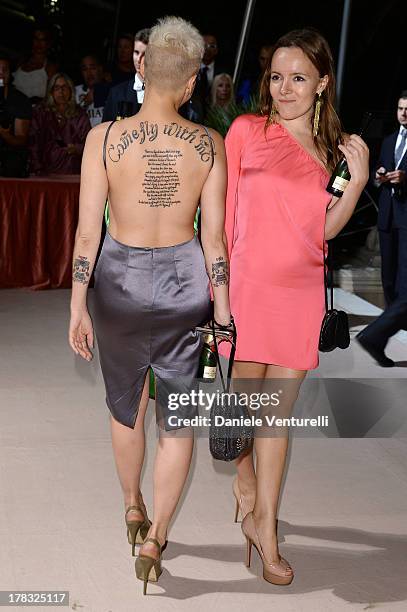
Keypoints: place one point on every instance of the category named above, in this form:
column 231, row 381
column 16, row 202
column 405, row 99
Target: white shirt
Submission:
column 138, row 87
column 210, row 74
column 32, row 84
column 402, row 129
column 95, row 114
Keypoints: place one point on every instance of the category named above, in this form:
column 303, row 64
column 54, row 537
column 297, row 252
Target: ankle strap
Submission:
column 153, row 541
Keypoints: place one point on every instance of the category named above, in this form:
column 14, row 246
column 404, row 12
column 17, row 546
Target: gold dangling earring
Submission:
column 272, row 115
column 317, row 112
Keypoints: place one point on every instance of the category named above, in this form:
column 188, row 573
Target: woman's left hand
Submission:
column 81, row 334
column 356, row 152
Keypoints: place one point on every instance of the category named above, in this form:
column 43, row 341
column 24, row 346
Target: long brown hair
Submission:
column 316, row 48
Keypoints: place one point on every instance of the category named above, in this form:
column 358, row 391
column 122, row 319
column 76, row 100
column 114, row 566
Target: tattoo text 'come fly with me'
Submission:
column 148, row 132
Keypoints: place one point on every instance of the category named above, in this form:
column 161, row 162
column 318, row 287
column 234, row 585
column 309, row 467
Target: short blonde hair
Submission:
column 174, row 53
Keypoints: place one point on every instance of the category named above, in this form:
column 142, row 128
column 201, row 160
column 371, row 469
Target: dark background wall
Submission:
column 376, row 63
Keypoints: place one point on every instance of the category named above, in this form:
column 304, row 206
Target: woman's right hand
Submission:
column 81, row 334
column 356, row 152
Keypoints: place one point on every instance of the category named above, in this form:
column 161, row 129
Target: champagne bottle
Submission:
column 339, row 179
column 207, row 362
column 341, row 176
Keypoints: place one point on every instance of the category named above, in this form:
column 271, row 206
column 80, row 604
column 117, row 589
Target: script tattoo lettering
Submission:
column 147, row 131
column 204, row 148
column 81, row 267
column 205, row 145
column 220, row 272
column 161, row 180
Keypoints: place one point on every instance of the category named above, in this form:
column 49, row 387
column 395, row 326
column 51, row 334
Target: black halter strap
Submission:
column 105, row 143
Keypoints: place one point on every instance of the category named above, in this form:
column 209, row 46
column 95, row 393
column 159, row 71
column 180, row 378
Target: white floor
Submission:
column 343, row 515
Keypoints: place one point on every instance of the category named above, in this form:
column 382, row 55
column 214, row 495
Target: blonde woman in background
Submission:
column 222, row 91
column 58, row 130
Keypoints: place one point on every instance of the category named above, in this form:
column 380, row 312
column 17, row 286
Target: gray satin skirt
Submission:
column 146, row 305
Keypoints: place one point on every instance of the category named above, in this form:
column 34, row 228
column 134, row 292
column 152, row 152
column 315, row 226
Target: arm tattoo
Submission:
column 80, row 272
column 220, row 272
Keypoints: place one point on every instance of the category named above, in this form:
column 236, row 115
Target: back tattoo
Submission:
column 161, row 179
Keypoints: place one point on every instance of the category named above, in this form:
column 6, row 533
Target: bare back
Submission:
column 156, row 171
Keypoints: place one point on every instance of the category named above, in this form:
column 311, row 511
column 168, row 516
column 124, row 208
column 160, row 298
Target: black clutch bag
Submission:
column 335, row 325
column 227, row 441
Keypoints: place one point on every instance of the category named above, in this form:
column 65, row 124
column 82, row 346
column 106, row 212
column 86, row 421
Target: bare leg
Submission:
column 172, row 462
column 246, row 475
column 271, row 455
column 128, row 448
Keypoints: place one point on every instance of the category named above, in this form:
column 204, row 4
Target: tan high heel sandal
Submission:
column 137, row 530
column 147, row 568
column 277, row 573
column 242, row 506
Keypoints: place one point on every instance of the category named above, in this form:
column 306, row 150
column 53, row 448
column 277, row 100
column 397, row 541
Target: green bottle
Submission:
column 207, row 361
column 341, row 176
column 339, row 179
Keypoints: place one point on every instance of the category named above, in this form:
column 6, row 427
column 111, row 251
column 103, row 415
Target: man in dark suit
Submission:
column 392, row 224
column 125, row 99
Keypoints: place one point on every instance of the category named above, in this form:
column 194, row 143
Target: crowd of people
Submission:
column 45, row 117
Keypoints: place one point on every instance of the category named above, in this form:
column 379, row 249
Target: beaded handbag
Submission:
column 228, row 435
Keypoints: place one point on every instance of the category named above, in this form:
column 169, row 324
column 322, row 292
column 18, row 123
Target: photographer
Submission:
column 15, row 115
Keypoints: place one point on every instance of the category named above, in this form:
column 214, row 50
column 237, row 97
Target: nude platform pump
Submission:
column 277, row 573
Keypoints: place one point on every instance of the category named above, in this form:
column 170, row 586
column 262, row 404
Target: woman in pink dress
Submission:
column 278, row 215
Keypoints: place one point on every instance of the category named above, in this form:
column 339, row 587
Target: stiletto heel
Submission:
column 277, row 573
column 137, row 530
column 248, row 551
column 147, row 568
column 237, row 510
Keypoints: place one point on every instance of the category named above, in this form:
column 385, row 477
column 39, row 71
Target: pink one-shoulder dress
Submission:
column 275, row 219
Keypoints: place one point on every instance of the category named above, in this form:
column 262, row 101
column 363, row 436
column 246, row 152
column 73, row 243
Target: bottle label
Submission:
column 340, row 183
column 209, row 372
